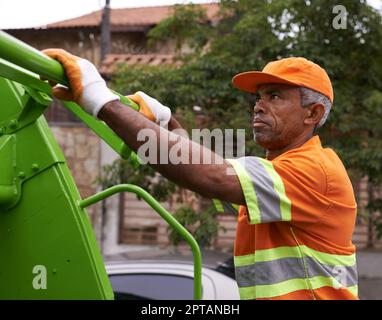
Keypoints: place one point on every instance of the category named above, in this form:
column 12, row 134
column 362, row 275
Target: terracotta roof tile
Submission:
column 110, row 62
column 145, row 16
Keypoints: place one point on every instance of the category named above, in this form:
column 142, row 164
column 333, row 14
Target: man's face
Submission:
column 278, row 116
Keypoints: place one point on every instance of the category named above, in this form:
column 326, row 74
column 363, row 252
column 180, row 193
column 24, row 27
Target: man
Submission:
column 297, row 208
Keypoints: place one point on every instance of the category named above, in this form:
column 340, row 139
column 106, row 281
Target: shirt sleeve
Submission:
column 225, row 207
column 271, row 189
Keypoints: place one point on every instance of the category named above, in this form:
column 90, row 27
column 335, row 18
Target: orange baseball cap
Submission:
column 295, row 71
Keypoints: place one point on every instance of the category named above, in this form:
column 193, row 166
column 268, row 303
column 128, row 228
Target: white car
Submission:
column 162, row 280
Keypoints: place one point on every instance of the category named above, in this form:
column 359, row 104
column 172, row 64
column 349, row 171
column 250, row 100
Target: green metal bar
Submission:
column 101, row 129
column 17, row 74
column 23, row 55
column 166, row 216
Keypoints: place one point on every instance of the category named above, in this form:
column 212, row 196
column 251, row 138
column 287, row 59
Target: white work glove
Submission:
column 152, row 108
column 87, row 88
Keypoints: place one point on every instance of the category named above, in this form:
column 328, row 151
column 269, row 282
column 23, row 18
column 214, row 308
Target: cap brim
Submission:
column 250, row 80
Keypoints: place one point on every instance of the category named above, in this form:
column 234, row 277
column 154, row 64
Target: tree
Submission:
column 251, row 33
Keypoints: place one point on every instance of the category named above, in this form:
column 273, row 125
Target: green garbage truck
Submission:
column 48, row 249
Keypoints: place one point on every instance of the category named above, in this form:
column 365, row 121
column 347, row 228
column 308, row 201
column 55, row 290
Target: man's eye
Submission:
column 274, row 96
column 257, row 97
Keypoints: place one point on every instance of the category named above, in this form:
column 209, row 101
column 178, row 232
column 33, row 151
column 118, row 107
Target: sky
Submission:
column 34, row 13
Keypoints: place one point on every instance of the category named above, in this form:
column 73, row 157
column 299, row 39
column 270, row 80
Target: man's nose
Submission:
column 259, row 107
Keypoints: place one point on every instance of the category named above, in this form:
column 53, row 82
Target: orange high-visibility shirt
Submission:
column 294, row 236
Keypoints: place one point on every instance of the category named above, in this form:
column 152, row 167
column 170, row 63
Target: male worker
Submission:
column 297, row 208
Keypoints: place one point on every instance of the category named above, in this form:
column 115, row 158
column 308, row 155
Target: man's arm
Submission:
column 209, row 180
column 89, row 90
column 173, row 124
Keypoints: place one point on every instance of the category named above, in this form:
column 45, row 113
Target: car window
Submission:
column 152, row 286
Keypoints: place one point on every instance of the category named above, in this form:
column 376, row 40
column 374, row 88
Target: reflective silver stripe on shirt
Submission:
column 268, row 198
column 271, row 272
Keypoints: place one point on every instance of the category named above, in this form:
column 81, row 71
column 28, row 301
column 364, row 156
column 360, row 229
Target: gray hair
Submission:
column 309, row 96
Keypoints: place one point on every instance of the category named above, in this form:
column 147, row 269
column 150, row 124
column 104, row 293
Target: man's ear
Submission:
column 314, row 114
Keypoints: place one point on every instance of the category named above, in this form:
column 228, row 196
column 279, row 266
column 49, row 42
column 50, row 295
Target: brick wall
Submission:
column 364, row 235
column 141, row 224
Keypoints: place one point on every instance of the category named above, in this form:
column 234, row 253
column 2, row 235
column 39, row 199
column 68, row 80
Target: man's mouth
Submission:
column 258, row 123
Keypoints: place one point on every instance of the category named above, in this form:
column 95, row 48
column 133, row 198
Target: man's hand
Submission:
column 152, row 108
column 87, row 88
